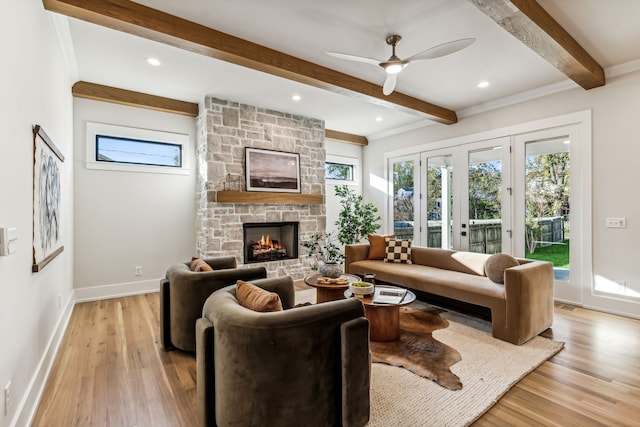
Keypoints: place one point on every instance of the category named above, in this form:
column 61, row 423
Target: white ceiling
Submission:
column 307, row 29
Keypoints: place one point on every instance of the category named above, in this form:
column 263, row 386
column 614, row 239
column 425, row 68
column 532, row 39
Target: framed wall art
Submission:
column 268, row 170
column 47, row 167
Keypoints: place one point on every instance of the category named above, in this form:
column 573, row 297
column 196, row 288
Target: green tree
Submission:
column 547, row 184
column 485, row 181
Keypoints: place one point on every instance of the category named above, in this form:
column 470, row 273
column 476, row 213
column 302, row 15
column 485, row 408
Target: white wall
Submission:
column 35, row 89
column 616, row 155
column 332, row 201
column 128, row 219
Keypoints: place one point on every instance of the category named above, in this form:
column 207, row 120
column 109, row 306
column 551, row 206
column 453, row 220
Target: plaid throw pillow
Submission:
column 398, row 251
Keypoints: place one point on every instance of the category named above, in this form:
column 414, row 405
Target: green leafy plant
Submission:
column 356, row 219
column 322, row 247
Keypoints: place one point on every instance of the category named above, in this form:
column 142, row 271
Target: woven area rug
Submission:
column 488, row 369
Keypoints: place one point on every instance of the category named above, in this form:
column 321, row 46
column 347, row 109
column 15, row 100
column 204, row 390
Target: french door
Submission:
column 466, row 199
column 545, row 186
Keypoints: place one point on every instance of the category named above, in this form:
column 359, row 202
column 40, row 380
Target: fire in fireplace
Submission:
column 270, row 241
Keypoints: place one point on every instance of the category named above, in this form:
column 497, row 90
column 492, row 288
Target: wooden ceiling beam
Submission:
column 143, row 21
column 349, row 138
column 532, row 25
column 133, row 99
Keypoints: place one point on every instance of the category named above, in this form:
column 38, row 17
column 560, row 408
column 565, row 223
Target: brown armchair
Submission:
column 308, row 365
column 183, row 293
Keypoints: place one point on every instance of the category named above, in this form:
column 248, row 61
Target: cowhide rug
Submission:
column 417, row 350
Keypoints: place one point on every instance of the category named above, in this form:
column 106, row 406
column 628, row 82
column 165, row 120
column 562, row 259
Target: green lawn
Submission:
column 556, row 254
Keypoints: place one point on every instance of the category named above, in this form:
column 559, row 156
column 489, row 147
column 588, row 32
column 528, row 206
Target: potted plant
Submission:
column 355, row 220
column 326, row 254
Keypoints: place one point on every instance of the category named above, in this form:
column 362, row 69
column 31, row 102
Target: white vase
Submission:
column 330, row 269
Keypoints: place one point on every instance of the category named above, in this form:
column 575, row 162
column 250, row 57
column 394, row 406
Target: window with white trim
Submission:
column 112, row 147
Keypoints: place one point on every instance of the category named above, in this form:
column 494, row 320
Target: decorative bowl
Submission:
column 361, row 289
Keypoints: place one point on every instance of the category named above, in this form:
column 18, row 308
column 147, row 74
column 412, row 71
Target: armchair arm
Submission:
column 356, row 372
column 221, row 262
column 529, row 299
column 355, row 253
column 205, row 373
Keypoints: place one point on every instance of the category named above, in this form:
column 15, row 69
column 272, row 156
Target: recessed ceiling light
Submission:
column 296, row 97
column 153, row 61
column 379, row 119
column 483, row 84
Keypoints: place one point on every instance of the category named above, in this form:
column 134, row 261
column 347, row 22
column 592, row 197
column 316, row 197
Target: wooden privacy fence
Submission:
column 485, row 236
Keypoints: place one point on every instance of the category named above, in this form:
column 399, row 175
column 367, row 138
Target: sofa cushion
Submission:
column 497, row 264
column 378, row 245
column 256, row 298
column 198, row 264
column 474, row 261
column 398, row 251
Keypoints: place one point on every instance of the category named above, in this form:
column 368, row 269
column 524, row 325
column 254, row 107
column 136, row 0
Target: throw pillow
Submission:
column 378, row 245
column 198, row 264
column 256, row 298
column 474, row 261
column 497, row 264
column 398, row 251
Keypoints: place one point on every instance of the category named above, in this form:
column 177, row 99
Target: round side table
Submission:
column 329, row 291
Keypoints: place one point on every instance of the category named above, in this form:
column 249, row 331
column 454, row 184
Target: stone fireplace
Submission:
column 225, row 128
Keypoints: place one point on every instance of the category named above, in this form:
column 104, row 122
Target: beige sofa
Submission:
column 521, row 308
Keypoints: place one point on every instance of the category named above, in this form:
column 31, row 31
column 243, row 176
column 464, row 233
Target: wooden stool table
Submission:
column 384, row 319
column 327, row 291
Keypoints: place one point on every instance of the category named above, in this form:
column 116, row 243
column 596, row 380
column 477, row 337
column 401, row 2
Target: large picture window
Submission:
column 120, row 148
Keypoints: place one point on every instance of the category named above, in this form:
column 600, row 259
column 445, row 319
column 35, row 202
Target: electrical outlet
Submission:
column 7, row 398
column 138, row 270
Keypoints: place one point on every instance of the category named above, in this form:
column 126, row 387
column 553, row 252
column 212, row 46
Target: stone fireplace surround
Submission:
column 224, row 129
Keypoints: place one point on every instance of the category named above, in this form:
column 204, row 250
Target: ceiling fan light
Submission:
column 393, row 68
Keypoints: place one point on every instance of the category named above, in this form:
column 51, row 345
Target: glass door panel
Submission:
column 404, row 206
column 485, row 200
column 547, row 191
column 439, row 201
column 544, row 184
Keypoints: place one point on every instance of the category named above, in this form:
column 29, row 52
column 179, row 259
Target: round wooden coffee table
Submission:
column 384, row 319
column 330, row 291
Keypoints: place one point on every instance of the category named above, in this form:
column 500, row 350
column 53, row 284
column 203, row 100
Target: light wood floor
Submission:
column 111, row 371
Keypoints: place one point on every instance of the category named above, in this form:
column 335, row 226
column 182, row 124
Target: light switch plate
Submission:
column 611, row 222
column 8, row 240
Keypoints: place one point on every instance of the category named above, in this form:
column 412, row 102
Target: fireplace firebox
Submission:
column 270, row 241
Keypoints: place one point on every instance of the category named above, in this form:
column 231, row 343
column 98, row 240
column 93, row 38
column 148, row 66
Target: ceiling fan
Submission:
column 394, row 65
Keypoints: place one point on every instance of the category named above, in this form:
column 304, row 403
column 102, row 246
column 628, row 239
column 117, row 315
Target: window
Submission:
column 111, row 147
column 339, row 170
column 134, row 151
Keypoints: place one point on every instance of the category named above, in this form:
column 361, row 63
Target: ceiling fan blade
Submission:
column 355, row 58
column 389, row 84
column 441, row 50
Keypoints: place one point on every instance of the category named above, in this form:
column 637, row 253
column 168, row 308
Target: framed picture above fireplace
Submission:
column 268, row 170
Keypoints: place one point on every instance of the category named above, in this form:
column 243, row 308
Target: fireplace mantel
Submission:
column 268, row 197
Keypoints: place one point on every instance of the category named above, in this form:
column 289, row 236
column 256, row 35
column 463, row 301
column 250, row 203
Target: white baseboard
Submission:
column 116, row 290
column 31, row 399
